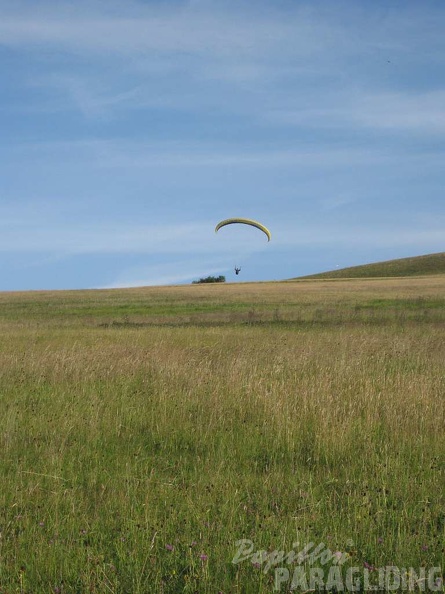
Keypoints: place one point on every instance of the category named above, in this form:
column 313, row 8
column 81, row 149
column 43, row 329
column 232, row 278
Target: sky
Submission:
column 130, row 128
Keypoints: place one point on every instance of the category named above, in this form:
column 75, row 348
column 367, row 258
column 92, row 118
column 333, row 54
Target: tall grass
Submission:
column 145, row 431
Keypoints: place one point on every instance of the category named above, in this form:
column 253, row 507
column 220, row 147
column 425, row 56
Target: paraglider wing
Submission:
column 244, row 222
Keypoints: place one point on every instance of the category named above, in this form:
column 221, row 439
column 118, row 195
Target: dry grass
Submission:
column 135, row 420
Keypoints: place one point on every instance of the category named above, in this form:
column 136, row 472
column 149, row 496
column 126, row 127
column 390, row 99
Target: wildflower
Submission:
column 424, row 547
column 369, row 566
column 380, row 540
column 169, row 547
column 203, row 557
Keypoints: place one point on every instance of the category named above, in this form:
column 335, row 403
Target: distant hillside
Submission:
column 416, row 266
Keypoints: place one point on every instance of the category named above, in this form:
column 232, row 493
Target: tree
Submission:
column 210, row 279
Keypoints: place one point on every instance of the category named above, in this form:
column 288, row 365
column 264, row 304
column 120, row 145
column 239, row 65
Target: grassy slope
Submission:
column 416, row 266
column 145, row 431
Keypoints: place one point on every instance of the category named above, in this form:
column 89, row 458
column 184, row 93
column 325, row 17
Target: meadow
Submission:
column 145, row 431
column 429, row 264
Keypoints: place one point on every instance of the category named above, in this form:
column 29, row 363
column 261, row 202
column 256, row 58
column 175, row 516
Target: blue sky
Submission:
column 128, row 129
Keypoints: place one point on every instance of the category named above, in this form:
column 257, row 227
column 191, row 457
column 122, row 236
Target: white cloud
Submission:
column 423, row 238
column 89, row 96
column 335, row 202
column 120, row 153
column 53, row 236
column 65, row 239
column 131, row 28
column 422, row 112
column 414, row 111
column 116, row 153
column 170, row 273
column 123, row 55
column 299, row 64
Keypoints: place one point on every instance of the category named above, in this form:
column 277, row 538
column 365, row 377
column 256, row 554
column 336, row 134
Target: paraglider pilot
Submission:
column 237, row 270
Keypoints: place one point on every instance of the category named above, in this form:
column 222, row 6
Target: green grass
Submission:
column 145, row 431
column 416, row 266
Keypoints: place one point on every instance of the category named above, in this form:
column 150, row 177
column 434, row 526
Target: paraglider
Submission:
column 244, row 222
column 250, row 222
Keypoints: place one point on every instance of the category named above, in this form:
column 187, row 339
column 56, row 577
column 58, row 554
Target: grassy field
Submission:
column 418, row 265
column 146, row 431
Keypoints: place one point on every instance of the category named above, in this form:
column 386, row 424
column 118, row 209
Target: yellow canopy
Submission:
column 244, row 222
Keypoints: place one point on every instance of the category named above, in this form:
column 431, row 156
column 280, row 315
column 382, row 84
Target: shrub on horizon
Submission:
column 210, row 279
